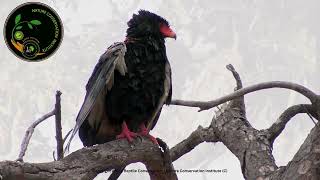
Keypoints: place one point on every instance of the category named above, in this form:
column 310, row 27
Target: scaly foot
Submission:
column 126, row 133
column 144, row 132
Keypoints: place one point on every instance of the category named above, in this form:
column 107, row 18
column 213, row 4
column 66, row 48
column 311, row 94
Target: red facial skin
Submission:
column 167, row 31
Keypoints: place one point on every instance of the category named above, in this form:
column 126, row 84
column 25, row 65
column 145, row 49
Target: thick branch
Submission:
column 197, row 137
column 249, row 145
column 235, row 131
column 87, row 163
column 58, row 126
column 28, row 134
column 305, row 163
column 167, row 162
column 276, row 128
column 205, row 105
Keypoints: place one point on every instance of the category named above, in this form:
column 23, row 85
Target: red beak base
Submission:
column 167, row 31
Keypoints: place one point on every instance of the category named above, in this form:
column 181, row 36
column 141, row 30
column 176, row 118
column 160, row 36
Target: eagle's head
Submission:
column 148, row 24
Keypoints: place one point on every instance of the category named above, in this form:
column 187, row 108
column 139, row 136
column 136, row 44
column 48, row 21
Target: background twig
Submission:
column 58, row 126
column 57, row 112
column 28, row 134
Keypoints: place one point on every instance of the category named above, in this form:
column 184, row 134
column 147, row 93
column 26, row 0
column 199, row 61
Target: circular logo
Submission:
column 33, row 31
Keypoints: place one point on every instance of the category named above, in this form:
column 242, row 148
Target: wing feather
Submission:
column 102, row 76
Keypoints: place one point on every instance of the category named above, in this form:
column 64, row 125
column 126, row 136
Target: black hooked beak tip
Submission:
column 175, row 37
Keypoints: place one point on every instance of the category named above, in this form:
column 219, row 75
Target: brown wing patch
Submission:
column 107, row 131
column 102, row 76
column 97, row 112
column 99, row 121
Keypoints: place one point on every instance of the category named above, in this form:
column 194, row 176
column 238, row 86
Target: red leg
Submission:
column 126, row 133
column 144, row 132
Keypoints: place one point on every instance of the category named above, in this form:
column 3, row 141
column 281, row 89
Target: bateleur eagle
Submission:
column 129, row 85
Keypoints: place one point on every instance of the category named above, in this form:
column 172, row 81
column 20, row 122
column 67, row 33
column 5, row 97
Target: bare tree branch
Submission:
column 83, row 163
column 276, row 128
column 87, row 163
column 57, row 112
column 28, row 134
column 249, row 145
column 305, row 163
column 235, row 75
column 205, row 105
column 230, row 126
column 197, row 137
column 58, row 126
column 167, row 163
column 238, row 102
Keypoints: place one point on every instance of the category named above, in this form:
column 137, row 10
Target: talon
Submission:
column 126, row 133
column 144, row 132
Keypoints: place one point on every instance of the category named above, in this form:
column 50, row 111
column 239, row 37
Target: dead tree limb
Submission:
column 252, row 147
column 277, row 127
column 205, row 105
column 28, row 134
column 197, row 137
column 87, row 163
column 167, row 162
column 58, row 126
column 305, row 163
column 55, row 112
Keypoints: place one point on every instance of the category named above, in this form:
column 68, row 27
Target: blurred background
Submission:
column 265, row 40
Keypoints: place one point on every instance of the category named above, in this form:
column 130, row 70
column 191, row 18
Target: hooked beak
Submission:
column 168, row 32
column 174, row 36
column 171, row 34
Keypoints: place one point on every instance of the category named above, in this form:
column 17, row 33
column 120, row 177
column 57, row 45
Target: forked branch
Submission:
column 276, row 128
column 252, row 147
column 28, row 134
column 57, row 112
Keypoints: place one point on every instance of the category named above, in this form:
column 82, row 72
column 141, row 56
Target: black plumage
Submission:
column 135, row 96
column 130, row 83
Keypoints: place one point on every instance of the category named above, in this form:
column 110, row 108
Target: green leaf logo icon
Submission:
column 35, row 22
column 30, row 26
column 33, row 31
column 18, row 35
column 18, row 18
